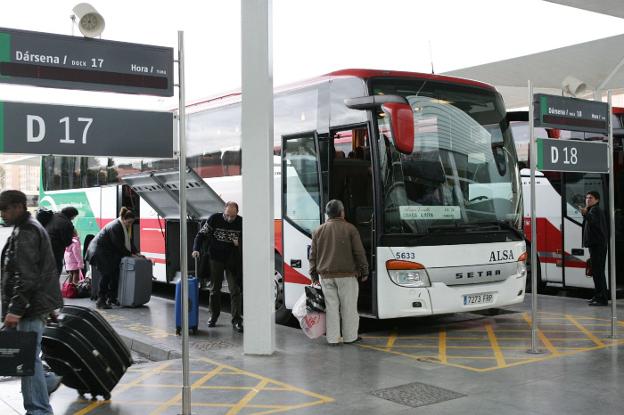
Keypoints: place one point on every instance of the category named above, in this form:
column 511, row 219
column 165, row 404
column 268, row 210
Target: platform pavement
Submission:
column 308, row 377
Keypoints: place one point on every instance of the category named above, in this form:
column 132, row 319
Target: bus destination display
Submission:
column 57, row 61
column 552, row 111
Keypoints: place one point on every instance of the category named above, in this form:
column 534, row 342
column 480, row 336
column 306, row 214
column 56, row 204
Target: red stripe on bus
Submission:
column 277, row 224
column 294, row 276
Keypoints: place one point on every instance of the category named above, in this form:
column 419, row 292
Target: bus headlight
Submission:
column 522, row 268
column 407, row 273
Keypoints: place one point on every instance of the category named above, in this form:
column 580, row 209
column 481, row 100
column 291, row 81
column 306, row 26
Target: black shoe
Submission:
column 102, row 304
column 598, row 303
column 212, row 323
column 592, row 299
column 238, row 326
column 359, row 339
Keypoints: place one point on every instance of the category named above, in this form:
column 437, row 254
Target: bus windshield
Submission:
column 462, row 173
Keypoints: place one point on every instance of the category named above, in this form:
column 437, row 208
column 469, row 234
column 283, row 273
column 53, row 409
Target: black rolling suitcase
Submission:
column 85, row 350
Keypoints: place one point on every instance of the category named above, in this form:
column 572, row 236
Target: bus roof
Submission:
column 365, row 74
column 378, row 73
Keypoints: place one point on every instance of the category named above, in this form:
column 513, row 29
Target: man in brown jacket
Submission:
column 338, row 257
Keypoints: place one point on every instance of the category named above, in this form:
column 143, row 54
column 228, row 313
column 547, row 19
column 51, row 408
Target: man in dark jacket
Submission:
column 30, row 288
column 224, row 235
column 595, row 234
column 106, row 250
column 61, row 230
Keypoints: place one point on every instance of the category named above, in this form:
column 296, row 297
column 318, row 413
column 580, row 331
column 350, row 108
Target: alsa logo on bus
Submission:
column 503, row 255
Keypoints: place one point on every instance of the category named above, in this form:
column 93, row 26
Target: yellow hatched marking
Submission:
column 588, row 333
column 391, row 340
column 442, row 347
column 500, row 359
column 545, row 341
column 248, row 397
column 178, row 397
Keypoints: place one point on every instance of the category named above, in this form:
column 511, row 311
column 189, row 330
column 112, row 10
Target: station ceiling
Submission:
column 610, row 7
column 598, row 63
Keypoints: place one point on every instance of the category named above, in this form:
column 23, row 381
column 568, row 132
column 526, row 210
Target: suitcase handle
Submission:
column 196, row 274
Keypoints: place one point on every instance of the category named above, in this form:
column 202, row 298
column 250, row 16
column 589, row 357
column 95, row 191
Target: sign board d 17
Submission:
column 553, row 111
column 57, row 61
column 84, row 131
column 572, row 156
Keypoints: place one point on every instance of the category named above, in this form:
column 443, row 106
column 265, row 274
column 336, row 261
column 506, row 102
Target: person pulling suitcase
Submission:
column 106, row 251
column 223, row 232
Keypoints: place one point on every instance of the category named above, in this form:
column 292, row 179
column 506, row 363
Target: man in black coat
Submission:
column 30, row 288
column 595, row 234
column 61, row 230
column 223, row 232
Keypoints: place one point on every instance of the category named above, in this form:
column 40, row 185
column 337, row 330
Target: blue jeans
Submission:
column 34, row 388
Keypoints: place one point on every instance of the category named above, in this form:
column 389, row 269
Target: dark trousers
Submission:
column 598, row 255
column 236, row 300
column 109, row 283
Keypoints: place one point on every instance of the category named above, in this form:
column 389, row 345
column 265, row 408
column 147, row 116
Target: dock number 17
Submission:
column 32, row 120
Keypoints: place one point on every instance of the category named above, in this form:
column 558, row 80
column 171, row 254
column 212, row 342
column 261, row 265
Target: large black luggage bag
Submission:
column 85, row 350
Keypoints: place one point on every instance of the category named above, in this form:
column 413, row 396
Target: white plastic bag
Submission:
column 313, row 324
column 299, row 309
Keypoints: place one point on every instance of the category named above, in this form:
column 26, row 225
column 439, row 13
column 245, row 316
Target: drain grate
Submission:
column 211, row 345
column 416, row 394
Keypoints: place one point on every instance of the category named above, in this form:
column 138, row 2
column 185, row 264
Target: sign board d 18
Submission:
column 57, row 61
column 84, row 131
column 572, row 156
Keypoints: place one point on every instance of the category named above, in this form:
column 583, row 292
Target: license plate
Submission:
column 482, row 298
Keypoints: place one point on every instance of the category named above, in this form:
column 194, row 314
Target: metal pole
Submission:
column 186, row 389
column 534, row 264
column 612, row 270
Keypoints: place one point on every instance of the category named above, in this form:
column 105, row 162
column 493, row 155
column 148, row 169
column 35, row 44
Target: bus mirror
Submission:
column 402, row 123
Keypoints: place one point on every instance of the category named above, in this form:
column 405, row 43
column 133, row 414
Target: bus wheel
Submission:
column 541, row 285
column 282, row 314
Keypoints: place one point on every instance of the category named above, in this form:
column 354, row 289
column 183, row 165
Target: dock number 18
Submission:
column 570, row 155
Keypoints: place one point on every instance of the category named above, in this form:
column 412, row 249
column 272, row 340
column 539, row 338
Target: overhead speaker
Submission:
column 572, row 86
column 90, row 22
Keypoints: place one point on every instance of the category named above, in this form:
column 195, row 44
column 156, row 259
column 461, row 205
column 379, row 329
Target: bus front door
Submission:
column 301, row 210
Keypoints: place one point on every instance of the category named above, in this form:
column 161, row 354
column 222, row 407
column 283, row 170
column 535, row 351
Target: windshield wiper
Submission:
column 476, row 227
column 502, row 224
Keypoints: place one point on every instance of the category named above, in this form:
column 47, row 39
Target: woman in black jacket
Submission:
column 105, row 252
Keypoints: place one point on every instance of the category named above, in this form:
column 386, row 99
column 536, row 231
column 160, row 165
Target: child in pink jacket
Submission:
column 73, row 259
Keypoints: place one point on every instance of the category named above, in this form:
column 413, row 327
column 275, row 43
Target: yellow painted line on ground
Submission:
column 442, row 347
column 588, row 333
column 500, row 359
column 173, row 401
column 421, row 346
column 540, row 334
column 391, row 340
column 248, row 397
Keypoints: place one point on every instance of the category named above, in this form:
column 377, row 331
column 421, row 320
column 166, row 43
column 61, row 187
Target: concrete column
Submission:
column 257, row 169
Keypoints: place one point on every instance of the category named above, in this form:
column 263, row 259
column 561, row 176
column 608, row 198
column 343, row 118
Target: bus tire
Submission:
column 282, row 314
column 541, row 285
